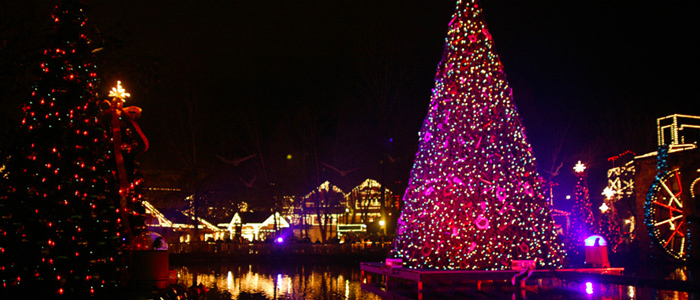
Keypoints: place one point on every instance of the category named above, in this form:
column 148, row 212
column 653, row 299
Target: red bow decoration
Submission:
column 131, row 113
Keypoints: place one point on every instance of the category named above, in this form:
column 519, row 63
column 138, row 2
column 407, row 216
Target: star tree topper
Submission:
column 119, row 92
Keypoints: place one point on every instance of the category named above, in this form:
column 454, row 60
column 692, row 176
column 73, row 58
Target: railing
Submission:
column 268, row 249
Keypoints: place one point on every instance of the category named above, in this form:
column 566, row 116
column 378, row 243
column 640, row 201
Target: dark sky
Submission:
column 274, row 77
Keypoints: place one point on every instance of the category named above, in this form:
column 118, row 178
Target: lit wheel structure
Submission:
column 664, row 213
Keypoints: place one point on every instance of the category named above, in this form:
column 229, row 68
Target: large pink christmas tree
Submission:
column 475, row 199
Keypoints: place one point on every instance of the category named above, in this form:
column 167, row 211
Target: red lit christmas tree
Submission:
column 608, row 226
column 582, row 221
column 62, row 230
column 474, row 200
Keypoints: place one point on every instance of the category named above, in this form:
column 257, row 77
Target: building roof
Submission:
column 250, row 217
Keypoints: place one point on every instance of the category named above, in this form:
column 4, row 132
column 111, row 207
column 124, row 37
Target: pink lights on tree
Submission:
column 474, row 199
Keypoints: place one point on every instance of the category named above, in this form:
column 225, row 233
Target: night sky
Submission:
column 343, row 83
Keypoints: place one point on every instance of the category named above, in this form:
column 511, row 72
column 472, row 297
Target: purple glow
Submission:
column 589, row 288
column 279, row 240
column 591, row 241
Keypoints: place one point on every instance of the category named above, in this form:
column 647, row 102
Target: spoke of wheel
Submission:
column 682, row 245
column 669, row 239
column 680, row 187
column 671, row 194
column 668, row 220
column 668, row 207
column 676, row 231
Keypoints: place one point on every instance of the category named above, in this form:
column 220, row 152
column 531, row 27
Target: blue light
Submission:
column 591, row 241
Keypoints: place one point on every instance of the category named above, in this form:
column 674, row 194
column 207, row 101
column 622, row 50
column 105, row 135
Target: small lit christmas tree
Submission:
column 61, row 232
column 474, row 200
column 608, row 226
column 582, row 220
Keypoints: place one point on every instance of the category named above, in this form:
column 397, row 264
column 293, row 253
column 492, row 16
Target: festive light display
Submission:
column 608, row 192
column 125, row 147
column 474, row 200
column 608, row 226
column 582, row 221
column 663, row 208
column 621, row 180
column 61, row 232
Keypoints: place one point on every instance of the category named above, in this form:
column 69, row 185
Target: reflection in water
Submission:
column 342, row 282
column 278, row 282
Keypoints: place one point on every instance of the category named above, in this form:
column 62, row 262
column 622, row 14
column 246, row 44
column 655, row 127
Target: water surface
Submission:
column 328, row 281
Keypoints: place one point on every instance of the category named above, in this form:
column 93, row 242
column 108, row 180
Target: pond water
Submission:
column 342, row 281
column 277, row 281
